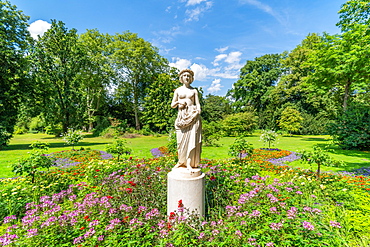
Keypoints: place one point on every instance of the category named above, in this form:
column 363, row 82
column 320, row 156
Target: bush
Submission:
column 290, row 120
column 72, row 137
column 314, row 125
column 352, row 129
column 269, row 137
column 239, row 124
column 211, row 133
column 241, row 148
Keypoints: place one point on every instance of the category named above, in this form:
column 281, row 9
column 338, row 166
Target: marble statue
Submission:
column 188, row 123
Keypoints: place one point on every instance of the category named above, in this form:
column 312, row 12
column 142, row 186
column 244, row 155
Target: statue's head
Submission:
column 186, row 73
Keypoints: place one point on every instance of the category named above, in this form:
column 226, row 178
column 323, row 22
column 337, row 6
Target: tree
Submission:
column 257, row 78
column 215, row 108
column 14, row 44
column 290, row 120
column 157, row 111
column 239, row 124
column 341, row 63
column 352, row 13
column 136, row 63
column 58, row 60
column 96, row 76
column 352, row 128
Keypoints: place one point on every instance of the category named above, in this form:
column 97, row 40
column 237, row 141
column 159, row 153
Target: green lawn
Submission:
column 19, row 147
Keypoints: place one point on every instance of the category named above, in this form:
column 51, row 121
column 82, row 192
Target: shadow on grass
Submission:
column 52, row 145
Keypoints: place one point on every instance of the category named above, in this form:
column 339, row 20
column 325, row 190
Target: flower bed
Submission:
column 248, row 203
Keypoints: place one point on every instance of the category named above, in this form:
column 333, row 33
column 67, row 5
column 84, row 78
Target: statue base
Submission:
column 186, row 185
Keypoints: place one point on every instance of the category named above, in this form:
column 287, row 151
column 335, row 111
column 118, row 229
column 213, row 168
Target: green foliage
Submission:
column 290, row 120
column 14, row 44
column 157, row 112
column 239, row 124
column 54, row 129
column 241, row 148
column 58, row 61
column 137, row 63
column 36, row 161
column 211, row 133
column 314, row 125
column 119, row 148
column 72, row 137
column 215, row 108
column 172, row 143
column 319, row 157
column 269, row 137
column 257, row 78
column 352, row 129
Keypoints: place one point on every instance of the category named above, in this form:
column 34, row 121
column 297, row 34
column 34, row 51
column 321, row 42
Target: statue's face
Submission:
column 186, row 77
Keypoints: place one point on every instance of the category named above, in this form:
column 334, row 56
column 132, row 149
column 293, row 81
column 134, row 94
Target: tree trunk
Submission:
column 346, row 94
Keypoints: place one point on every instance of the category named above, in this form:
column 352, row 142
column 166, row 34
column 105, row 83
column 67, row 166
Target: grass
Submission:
column 19, row 147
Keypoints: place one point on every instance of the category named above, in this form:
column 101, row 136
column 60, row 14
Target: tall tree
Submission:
column 14, row 42
column 136, row 63
column 257, row 78
column 58, row 60
column 97, row 76
column 342, row 63
column 215, row 108
column 352, row 13
column 157, row 110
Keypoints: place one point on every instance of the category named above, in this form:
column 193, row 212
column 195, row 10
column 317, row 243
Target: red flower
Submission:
column 86, row 217
column 172, row 216
column 97, row 170
column 82, row 228
column 132, row 183
column 212, row 178
column 110, row 197
column 129, row 190
column 180, row 205
column 158, row 168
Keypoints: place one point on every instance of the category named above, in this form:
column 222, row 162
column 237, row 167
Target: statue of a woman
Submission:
column 188, row 123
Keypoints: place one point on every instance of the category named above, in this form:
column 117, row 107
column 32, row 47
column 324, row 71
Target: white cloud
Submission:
column 193, row 14
column 38, row 27
column 233, row 57
column 215, row 86
column 194, row 2
column 180, row 63
column 200, row 71
column 265, row 8
column 219, row 58
column 222, row 49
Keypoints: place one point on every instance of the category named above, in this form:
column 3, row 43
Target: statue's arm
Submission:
column 197, row 101
column 175, row 101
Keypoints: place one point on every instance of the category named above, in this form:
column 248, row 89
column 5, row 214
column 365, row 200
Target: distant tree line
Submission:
column 106, row 83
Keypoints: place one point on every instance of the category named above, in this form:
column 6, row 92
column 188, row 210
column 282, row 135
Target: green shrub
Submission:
column 211, row 133
column 290, row 120
column 118, row 147
column 352, row 129
column 72, row 137
column 239, row 124
column 241, row 148
column 269, row 137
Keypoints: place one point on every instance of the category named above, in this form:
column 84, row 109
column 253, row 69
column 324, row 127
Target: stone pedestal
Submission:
column 188, row 186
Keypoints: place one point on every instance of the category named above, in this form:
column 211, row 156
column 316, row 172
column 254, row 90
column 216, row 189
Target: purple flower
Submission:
column 156, row 152
column 8, row 219
column 276, row 226
column 78, row 240
column 335, row 224
column 31, row 233
column 201, row 235
column 270, row 244
column 101, row 238
column 238, row 233
column 307, row 225
column 254, row 214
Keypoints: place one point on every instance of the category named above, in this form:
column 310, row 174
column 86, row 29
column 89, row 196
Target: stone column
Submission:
column 186, row 185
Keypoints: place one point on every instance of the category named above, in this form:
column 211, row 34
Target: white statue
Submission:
column 188, row 123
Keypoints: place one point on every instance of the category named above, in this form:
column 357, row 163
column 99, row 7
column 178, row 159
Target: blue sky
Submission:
column 214, row 38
